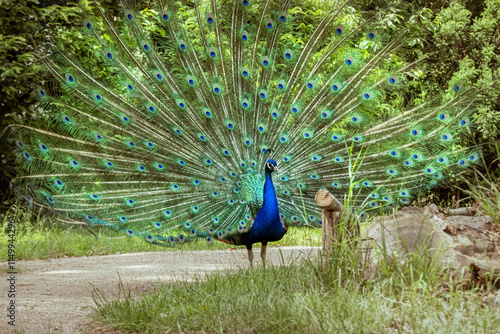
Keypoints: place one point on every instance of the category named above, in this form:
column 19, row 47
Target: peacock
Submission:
column 221, row 119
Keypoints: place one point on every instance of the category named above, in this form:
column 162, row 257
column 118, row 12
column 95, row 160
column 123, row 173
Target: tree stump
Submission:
column 332, row 211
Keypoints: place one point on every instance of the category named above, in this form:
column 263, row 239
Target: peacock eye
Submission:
column 269, row 24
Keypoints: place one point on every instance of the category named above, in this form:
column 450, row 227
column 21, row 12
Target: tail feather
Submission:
column 162, row 132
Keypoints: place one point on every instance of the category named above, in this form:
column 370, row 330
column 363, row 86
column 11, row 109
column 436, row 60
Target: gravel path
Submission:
column 55, row 296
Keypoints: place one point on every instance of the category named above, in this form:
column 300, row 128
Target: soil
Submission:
column 55, row 296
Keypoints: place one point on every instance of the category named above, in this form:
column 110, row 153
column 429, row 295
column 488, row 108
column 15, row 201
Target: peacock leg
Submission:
column 263, row 249
column 250, row 255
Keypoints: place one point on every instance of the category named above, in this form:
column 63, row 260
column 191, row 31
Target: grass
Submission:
column 47, row 239
column 411, row 296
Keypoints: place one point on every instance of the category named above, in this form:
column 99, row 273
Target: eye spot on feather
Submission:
column 337, row 185
column 269, row 24
column 349, row 61
column 458, row 87
column 443, row 117
column 336, row 137
column 372, row 34
column 393, row 80
column 339, row 30
column 87, row 24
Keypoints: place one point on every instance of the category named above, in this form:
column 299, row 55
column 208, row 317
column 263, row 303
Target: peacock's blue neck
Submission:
column 270, row 200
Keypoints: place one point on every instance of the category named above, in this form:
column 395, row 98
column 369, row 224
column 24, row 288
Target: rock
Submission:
column 468, row 245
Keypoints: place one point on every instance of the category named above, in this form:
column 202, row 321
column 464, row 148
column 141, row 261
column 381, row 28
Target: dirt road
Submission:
column 55, row 296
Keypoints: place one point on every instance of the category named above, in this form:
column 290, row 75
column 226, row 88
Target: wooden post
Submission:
column 332, row 210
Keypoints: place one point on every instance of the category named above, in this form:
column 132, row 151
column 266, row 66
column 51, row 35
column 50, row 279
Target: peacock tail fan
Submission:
column 163, row 131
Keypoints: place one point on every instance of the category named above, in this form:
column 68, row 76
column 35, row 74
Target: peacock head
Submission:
column 271, row 165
